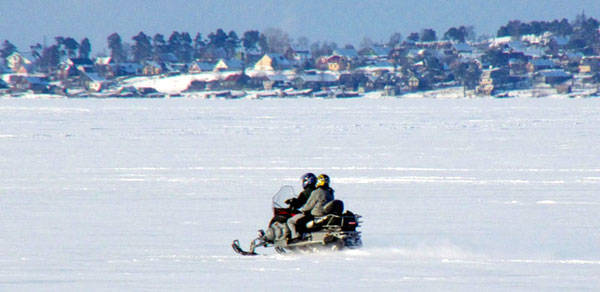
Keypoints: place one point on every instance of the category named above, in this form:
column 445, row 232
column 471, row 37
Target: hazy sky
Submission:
column 26, row 22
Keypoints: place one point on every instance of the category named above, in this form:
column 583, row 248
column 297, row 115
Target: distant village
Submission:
column 540, row 57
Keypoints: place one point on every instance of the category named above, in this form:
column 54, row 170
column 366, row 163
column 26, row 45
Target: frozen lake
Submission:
column 148, row 194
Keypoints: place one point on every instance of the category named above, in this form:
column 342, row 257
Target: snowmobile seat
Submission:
column 333, row 211
column 335, row 207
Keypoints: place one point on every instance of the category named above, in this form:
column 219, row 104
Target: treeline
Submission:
column 582, row 33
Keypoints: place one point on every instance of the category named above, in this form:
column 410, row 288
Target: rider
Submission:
column 308, row 184
column 315, row 204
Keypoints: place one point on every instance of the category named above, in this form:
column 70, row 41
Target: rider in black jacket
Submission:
column 308, row 184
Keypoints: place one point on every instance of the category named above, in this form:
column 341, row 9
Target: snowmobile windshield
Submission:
column 284, row 193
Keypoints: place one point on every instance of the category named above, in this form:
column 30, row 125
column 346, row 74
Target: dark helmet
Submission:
column 322, row 180
column 308, row 179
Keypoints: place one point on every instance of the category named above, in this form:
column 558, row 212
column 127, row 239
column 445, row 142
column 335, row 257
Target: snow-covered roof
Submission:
column 542, row 63
column 80, row 62
column 300, row 49
column 278, row 77
column 36, row 80
column 204, row 66
column 230, row 64
column 554, row 73
column 516, row 46
column 561, row 40
column 532, row 38
column 378, row 67
column 348, row 53
column 320, row 77
column 95, row 77
column 496, row 42
column 280, row 59
column 534, row 52
column 381, row 51
column 462, row 47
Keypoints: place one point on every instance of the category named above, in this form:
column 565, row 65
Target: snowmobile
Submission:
column 334, row 231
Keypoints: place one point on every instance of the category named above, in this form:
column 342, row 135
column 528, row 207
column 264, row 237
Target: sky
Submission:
column 27, row 22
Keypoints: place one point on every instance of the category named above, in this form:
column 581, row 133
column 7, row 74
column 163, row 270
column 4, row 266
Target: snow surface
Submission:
column 465, row 194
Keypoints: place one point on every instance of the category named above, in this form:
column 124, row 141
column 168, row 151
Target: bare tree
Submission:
column 277, row 39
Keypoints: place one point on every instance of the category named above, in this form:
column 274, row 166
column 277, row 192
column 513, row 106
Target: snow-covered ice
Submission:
column 467, row 194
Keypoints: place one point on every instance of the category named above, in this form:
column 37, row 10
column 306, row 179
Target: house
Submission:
column 235, row 81
column 108, row 69
column 196, row 85
column 3, row 84
column 257, row 81
column 413, row 82
column 93, row 82
column 153, row 68
column 380, row 80
column 229, row 65
column 315, row 80
column 73, row 66
column 517, row 66
column 19, row 63
column 462, row 48
column 372, row 53
column 276, row 81
column 495, row 79
column 348, row 54
column 589, row 64
column 199, row 67
column 380, row 52
column 127, row 68
column 353, row 80
column 558, row 42
column 381, row 66
column 300, row 56
column 37, row 84
column 272, row 62
column 540, row 64
column 334, row 63
column 553, row 76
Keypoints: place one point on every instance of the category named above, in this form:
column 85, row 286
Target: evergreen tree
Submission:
column 186, row 50
column 7, row 49
column 414, row 37
column 159, row 45
column 85, row 48
column 250, row 39
column 217, row 39
column 585, row 36
column 142, row 47
column 456, row 34
column 263, row 43
column 232, row 43
column 395, row 39
column 71, row 46
column 60, row 45
column 174, row 42
column 175, row 45
column 50, row 58
column 366, row 43
column 199, row 46
column 428, row 35
column 36, row 51
column 117, row 51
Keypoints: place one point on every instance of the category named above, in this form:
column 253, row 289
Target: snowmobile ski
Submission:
column 238, row 249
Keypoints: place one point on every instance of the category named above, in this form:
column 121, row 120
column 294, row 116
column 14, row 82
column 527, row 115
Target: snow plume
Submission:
column 422, row 252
